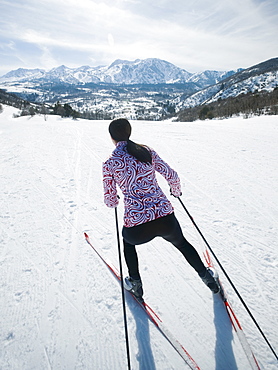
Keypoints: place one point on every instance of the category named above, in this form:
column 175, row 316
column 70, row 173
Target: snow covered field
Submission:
column 61, row 306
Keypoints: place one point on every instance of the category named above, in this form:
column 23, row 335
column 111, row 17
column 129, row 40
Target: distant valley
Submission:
column 150, row 89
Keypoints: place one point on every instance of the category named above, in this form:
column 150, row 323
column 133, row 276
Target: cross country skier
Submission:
column 148, row 213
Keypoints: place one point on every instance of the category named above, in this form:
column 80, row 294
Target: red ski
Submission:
column 152, row 316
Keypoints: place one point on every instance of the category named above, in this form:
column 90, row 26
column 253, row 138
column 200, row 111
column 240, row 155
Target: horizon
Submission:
column 130, row 61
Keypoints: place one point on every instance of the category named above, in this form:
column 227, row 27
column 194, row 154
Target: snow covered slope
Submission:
column 60, row 305
column 261, row 77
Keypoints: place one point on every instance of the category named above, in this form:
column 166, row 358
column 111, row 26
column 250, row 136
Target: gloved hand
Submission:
column 175, row 194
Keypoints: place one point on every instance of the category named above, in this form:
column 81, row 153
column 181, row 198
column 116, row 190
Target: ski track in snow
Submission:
column 61, row 307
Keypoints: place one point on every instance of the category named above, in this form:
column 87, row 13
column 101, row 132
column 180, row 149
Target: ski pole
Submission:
column 228, row 278
column 122, row 288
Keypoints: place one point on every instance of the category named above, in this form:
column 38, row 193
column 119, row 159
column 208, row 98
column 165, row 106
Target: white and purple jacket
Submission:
column 144, row 200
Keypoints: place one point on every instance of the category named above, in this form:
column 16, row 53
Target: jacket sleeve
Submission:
column 168, row 173
column 109, row 186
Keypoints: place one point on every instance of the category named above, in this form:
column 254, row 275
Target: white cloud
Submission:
column 195, row 35
column 111, row 41
column 47, row 59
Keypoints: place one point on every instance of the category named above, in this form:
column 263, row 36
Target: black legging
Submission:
column 169, row 229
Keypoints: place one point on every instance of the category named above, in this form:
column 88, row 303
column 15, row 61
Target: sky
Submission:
column 195, row 35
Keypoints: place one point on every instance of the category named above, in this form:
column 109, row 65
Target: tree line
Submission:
column 257, row 103
column 249, row 104
column 27, row 108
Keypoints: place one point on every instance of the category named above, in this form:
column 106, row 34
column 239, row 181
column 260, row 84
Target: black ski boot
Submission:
column 211, row 280
column 134, row 287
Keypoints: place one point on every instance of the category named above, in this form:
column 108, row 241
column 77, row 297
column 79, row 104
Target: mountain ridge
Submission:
column 140, row 71
column 150, row 89
column 260, row 77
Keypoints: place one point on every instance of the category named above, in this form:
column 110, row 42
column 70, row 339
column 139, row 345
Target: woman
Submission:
column 148, row 213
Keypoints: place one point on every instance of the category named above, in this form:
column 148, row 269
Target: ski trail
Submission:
column 45, row 349
column 61, row 308
column 51, row 309
column 56, row 288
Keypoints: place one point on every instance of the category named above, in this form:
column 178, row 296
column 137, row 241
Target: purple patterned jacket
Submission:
column 143, row 198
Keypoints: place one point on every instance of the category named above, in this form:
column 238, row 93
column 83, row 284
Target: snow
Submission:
column 151, row 70
column 234, row 87
column 60, row 305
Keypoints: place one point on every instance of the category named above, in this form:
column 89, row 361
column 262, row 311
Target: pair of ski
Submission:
column 167, row 334
column 155, row 319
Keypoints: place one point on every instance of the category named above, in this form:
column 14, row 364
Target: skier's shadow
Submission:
column 144, row 356
column 224, row 355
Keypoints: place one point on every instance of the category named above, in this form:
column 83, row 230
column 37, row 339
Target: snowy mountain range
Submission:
column 148, row 71
column 261, row 77
column 141, row 89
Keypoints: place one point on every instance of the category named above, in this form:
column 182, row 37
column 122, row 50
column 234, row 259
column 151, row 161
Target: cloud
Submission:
column 47, row 59
column 111, row 41
column 195, row 35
